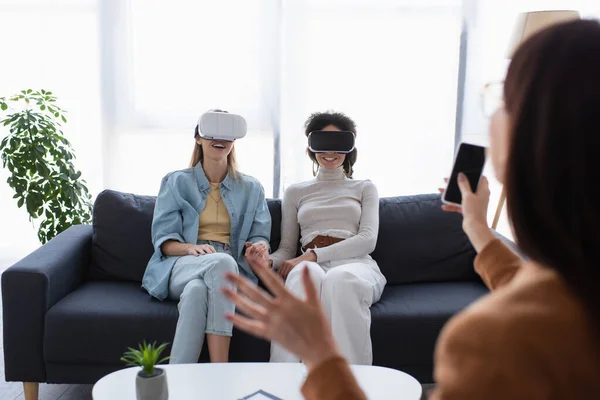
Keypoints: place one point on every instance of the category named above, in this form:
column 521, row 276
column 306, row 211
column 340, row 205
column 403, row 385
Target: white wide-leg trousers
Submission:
column 348, row 288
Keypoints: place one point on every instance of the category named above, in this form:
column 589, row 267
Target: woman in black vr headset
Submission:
column 204, row 218
column 339, row 221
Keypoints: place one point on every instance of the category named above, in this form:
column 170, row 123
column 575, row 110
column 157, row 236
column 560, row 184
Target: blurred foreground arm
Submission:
column 298, row 325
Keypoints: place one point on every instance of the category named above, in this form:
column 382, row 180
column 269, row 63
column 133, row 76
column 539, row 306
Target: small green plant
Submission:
column 147, row 357
column 40, row 161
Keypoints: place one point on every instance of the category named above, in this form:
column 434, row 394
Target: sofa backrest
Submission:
column 122, row 239
column 417, row 241
column 121, row 242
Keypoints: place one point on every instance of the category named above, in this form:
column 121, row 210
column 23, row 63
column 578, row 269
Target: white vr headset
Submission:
column 220, row 125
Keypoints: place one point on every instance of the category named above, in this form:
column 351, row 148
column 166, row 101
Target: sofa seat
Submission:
column 116, row 315
column 408, row 318
column 99, row 320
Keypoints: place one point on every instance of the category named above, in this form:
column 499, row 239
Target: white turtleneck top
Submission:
column 332, row 205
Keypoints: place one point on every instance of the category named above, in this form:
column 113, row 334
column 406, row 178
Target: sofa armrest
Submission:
column 29, row 288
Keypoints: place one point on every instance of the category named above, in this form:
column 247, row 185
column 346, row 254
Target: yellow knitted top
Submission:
column 214, row 219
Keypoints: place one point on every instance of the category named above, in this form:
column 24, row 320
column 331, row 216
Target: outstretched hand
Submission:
column 298, row 325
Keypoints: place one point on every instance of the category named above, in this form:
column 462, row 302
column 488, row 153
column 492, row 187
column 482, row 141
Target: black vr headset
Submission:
column 331, row 141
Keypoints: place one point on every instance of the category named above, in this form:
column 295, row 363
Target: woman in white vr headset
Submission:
column 206, row 218
column 339, row 221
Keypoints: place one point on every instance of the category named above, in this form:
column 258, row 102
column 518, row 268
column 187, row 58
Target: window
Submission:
column 390, row 65
column 40, row 50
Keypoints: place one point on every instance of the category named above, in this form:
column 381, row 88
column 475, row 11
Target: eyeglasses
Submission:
column 491, row 98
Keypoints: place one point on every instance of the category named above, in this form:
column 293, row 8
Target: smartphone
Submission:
column 470, row 160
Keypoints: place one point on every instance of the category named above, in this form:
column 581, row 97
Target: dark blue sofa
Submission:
column 72, row 307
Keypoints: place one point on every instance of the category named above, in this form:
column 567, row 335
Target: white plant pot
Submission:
column 152, row 388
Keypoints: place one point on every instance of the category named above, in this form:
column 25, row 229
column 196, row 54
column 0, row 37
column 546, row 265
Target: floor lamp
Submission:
column 526, row 25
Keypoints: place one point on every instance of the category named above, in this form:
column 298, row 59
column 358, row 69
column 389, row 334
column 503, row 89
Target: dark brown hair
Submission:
column 320, row 120
column 552, row 95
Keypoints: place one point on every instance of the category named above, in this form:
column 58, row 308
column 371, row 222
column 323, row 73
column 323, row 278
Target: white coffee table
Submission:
column 236, row 380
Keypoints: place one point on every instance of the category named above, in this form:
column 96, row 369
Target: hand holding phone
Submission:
column 474, row 210
column 470, row 160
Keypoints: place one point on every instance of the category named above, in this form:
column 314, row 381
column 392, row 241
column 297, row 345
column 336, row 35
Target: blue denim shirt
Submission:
column 181, row 199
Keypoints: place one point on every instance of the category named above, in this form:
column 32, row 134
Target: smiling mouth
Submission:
column 329, row 159
column 218, row 146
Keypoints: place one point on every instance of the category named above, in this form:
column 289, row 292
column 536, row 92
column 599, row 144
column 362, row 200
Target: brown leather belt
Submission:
column 322, row 241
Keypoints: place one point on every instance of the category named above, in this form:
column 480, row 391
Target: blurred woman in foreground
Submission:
column 536, row 335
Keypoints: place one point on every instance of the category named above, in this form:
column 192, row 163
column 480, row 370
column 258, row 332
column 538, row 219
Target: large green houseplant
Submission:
column 40, row 162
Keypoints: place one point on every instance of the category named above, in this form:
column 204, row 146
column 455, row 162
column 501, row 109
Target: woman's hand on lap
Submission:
column 200, row 249
column 474, row 208
column 287, row 266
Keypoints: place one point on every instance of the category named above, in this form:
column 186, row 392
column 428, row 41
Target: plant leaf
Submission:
column 39, row 160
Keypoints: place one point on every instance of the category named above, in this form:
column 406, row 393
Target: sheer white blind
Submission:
column 390, row 65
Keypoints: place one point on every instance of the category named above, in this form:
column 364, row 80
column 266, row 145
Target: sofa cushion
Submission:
column 98, row 321
column 407, row 320
column 122, row 243
column 418, row 242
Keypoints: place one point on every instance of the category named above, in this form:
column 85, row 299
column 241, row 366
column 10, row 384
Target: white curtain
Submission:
column 136, row 74
column 390, row 65
column 172, row 61
column 51, row 45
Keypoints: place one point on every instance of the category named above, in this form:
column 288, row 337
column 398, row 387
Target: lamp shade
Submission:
column 531, row 22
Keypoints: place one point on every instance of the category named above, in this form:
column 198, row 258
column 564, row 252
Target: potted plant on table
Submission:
column 150, row 382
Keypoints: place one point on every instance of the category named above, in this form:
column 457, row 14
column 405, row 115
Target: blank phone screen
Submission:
column 470, row 160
